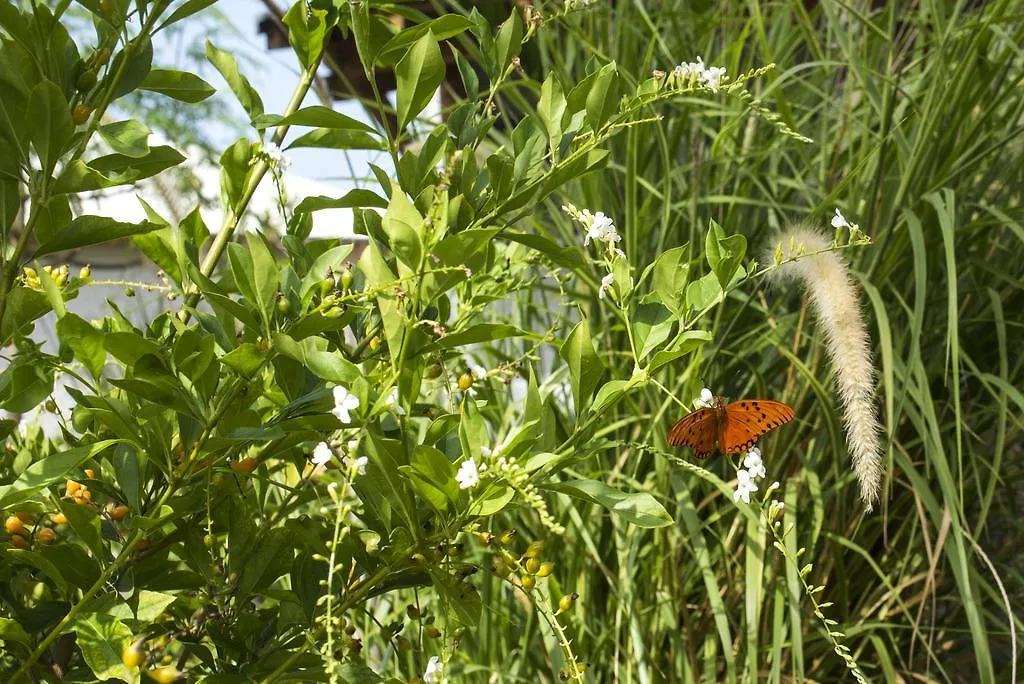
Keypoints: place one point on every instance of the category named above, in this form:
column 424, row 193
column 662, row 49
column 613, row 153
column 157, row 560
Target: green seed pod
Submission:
column 412, row 611
column 345, row 279
column 86, row 81
column 129, row 291
column 431, row 632
column 433, row 372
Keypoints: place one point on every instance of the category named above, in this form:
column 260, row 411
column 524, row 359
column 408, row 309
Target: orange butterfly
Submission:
column 731, row 427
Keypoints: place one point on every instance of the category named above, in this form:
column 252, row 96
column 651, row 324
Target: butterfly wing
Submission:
column 697, row 431
column 745, row 422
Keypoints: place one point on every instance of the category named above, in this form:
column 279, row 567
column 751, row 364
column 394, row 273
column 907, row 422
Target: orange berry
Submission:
column 81, row 501
column 19, row 541
column 85, row 494
column 81, row 113
column 71, row 488
column 13, row 524
column 58, row 519
column 246, row 465
column 141, row 545
column 90, row 473
column 119, row 512
column 46, row 535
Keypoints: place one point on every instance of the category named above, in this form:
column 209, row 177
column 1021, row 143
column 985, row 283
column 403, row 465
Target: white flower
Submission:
column 486, row 452
column 745, row 486
column 711, row 77
column 468, row 476
column 753, row 463
column 705, row 400
column 606, row 284
column 478, row 372
column 685, row 70
column 433, row 673
column 344, row 401
column 391, row 403
column 321, row 454
column 839, row 221
column 276, row 156
column 773, row 486
column 600, row 229
column 360, row 464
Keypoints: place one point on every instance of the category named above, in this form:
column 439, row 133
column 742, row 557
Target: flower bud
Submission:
column 85, row 273
column 534, row 550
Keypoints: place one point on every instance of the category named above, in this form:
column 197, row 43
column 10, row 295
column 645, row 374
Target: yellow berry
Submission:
column 374, row 343
column 165, row 674
column 85, row 272
column 465, row 382
column 71, row 488
column 132, row 657
column 565, row 603
column 119, row 512
column 532, row 566
column 534, row 549
column 14, row 525
column 528, row 581
column 545, row 569
column 58, row 519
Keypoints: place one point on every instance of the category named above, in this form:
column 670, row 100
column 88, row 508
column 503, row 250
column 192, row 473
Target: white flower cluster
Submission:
column 600, row 228
column 696, row 72
column 275, row 156
column 578, row 4
column 746, row 483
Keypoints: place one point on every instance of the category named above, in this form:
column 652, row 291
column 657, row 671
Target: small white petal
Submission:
column 432, row 675
column 321, row 454
column 468, row 475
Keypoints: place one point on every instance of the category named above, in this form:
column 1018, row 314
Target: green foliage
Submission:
column 448, row 453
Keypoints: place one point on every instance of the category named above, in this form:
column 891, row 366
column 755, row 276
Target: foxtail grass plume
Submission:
column 834, row 301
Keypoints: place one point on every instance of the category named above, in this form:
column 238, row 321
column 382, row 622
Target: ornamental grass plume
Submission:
column 835, row 304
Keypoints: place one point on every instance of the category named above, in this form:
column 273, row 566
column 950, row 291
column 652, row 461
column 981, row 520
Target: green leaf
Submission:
column 12, row 631
column 419, row 74
column 86, row 524
column 129, row 137
column 432, row 476
column 85, row 341
column 245, row 359
column 153, row 162
column 339, row 139
column 307, row 28
column 443, row 27
column 652, row 325
column 353, row 198
column 671, row 273
column 640, row 509
column 609, row 393
column 603, row 98
column 551, row 108
column 509, row 40
column 316, row 116
column 330, row 366
column 461, row 600
column 49, row 470
column 724, row 254
column 137, row 64
column 102, row 639
column 151, row 605
column 234, row 171
column 473, row 432
column 187, row 9
column 403, row 225
column 482, row 332
column 178, row 85
column 52, row 127
column 702, row 293
column 239, row 84
column 92, row 230
column 494, row 499
column 585, row 368
column 25, row 384
column 684, row 344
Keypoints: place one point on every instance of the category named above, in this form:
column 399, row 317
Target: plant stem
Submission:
column 252, row 181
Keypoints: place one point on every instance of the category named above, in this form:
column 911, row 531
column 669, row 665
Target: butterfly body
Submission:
column 731, row 428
